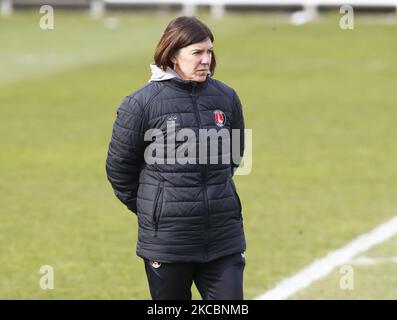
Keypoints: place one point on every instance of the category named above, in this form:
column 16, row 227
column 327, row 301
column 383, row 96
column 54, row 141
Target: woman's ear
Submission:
column 173, row 59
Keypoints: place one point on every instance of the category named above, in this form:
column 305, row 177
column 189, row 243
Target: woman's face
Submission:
column 193, row 62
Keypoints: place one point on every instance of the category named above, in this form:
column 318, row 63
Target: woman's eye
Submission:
column 198, row 52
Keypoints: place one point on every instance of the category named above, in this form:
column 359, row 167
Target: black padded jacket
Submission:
column 186, row 212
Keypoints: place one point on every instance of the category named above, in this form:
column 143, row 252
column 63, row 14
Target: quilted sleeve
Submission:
column 238, row 123
column 125, row 153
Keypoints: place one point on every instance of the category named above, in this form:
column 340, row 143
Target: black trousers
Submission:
column 221, row 279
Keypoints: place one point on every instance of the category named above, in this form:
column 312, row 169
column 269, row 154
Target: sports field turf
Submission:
column 322, row 104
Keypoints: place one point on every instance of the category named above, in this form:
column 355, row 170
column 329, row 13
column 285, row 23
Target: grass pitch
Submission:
column 322, row 105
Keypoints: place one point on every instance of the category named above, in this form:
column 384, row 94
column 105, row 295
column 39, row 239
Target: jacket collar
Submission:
column 159, row 74
column 188, row 84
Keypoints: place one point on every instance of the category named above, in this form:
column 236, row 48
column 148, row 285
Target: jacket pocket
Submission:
column 157, row 205
column 236, row 196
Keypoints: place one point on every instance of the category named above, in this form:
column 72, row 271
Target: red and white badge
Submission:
column 220, row 118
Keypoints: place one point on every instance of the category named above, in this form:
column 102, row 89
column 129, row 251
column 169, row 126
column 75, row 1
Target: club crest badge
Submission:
column 220, row 118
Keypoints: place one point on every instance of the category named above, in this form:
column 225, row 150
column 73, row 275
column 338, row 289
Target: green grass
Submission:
column 378, row 281
column 321, row 103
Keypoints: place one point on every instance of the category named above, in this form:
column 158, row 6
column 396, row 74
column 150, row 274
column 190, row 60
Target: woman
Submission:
column 189, row 213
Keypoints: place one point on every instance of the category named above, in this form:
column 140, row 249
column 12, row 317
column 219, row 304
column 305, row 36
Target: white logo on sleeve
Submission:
column 155, row 264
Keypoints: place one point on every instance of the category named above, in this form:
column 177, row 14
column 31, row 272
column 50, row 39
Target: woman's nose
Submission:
column 206, row 59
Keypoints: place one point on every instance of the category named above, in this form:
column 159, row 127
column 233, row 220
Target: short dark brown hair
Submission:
column 181, row 32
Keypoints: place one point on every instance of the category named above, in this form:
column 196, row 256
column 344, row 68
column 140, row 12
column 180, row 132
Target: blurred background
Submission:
column 321, row 101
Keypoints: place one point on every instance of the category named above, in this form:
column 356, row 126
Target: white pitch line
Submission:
column 373, row 261
column 320, row 268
